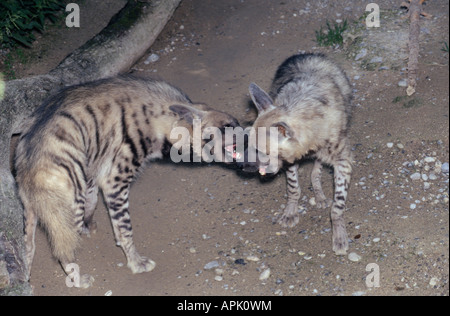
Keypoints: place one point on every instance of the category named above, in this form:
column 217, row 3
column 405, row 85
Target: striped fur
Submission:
column 310, row 104
column 95, row 137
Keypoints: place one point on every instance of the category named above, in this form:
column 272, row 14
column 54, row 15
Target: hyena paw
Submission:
column 324, row 203
column 86, row 281
column 290, row 218
column 340, row 243
column 141, row 265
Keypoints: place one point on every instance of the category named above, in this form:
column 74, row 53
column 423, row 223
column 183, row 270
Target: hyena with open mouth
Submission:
column 309, row 104
column 97, row 136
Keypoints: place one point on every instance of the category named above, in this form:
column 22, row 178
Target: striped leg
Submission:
column 90, row 226
column 342, row 174
column 117, row 202
column 290, row 218
column 316, row 175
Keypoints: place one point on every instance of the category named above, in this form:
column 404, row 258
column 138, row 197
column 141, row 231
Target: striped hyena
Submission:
column 309, row 104
column 97, row 136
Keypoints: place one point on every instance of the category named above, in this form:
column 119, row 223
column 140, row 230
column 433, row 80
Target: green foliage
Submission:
column 19, row 18
column 332, row 35
column 444, row 47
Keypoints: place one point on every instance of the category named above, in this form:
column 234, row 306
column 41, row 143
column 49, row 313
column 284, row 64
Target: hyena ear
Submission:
column 187, row 112
column 284, row 129
column 261, row 99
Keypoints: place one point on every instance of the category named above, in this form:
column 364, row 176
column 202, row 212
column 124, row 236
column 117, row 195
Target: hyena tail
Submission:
column 53, row 205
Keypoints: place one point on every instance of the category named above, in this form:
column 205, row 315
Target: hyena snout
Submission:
column 249, row 167
column 253, row 161
column 236, row 147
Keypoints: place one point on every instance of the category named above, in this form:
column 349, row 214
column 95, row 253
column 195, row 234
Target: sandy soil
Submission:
column 186, row 216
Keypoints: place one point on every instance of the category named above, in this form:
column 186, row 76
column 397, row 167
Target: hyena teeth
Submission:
column 310, row 104
column 97, row 136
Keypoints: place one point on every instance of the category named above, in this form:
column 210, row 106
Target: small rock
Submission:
column 109, row 293
column 218, row 278
column 205, row 237
column 429, row 159
column 211, row 265
column 153, row 58
column 445, row 167
column 400, row 146
column 416, row 176
column 192, row 250
column 413, row 206
column 354, row 257
column 434, row 281
column 361, row 54
column 253, row 258
column 240, row 261
column 403, row 83
column 390, row 145
column 424, row 177
column 377, row 240
column 265, row 275
column 278, row 292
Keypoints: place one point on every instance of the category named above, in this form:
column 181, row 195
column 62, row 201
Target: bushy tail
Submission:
column 59, row 222
column 53, row 203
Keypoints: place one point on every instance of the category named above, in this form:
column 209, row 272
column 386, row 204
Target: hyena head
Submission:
column 213, row 134
column 272, row 140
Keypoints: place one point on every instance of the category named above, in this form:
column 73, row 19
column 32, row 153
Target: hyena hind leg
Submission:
column 290, row 218
column 90, row 226
column 31, row 221
column 117, row 203
column 316, row 176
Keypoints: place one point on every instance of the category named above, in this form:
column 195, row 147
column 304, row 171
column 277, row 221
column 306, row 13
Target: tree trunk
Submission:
column 415, row 9
column 127, row 37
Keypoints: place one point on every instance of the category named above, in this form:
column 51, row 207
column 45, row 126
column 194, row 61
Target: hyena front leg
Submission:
column 290, row 218
column 342, row 175
column 316, row 175
column 116, row 197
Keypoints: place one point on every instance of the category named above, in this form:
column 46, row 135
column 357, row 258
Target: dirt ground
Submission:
column 188, row 216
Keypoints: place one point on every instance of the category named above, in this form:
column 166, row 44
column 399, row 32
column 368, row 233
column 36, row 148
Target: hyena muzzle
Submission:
column 309, row 105
column 97, row 136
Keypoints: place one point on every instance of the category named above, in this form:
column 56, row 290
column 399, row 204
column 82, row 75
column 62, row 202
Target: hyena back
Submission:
column 90, row 137
column 310, row 104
